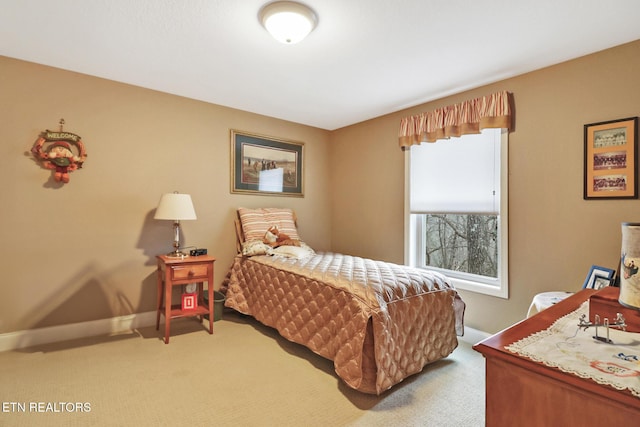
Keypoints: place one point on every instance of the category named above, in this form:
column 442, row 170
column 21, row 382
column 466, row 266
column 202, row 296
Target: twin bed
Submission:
column 378, row 322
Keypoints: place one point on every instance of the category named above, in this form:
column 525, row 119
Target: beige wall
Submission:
column 554, row 235
column 86, row 250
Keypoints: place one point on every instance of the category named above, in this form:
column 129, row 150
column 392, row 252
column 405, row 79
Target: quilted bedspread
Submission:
column 378, row 322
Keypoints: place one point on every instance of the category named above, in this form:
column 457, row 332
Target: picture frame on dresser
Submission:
column 265, row 165
column 598, row 277
column 610, row 159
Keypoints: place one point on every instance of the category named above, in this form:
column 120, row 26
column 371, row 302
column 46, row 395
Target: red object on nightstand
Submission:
column 189, row 301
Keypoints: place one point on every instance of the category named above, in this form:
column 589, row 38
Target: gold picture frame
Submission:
column 265, row 165
column 610, row 159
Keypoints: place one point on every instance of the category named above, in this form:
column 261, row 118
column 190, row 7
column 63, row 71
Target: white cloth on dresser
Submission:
column 566, row 347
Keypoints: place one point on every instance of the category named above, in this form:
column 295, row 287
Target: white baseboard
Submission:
column 473, row 336
column 114, row 325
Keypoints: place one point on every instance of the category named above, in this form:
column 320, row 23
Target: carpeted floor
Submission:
column 243, row 375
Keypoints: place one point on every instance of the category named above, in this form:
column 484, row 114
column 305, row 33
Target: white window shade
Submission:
column 451, row 176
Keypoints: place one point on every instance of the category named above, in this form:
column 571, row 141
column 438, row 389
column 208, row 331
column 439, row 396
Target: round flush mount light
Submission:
column 287, row 21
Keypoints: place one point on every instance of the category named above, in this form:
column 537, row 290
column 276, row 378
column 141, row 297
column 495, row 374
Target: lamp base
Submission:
column 177, row 254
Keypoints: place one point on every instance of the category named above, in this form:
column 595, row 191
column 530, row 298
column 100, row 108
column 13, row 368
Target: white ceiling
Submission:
column 365, row 58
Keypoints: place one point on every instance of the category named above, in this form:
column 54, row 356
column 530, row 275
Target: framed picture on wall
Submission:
column 266, row 166
column 610, row 159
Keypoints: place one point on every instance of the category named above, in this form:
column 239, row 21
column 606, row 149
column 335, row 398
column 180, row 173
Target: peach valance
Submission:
column 492, row 111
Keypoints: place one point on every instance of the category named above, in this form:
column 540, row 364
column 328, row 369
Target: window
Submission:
column 457, row 210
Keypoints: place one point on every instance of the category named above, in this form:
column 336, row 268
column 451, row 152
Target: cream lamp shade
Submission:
column 287, row 21
column 175, row 207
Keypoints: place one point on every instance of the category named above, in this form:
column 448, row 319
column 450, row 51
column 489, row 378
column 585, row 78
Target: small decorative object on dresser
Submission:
column 598, row 277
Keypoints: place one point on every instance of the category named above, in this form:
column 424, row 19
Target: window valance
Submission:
column 492, row 111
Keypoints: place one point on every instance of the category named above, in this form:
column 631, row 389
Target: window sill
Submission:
column 480, row 288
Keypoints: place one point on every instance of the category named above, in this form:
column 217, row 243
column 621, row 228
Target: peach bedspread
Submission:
column 378, row 322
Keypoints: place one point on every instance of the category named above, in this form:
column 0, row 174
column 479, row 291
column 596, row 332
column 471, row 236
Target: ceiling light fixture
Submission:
column 287, row 21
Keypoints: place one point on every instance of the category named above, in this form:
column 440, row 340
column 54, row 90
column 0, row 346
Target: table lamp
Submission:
column 175, row 207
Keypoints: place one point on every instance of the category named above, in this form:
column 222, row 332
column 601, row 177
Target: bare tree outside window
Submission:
column 462, row 242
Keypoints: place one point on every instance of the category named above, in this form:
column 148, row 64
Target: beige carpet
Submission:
column 243, row 375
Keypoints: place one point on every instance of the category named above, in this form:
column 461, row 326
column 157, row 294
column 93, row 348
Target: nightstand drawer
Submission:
column 189, row 271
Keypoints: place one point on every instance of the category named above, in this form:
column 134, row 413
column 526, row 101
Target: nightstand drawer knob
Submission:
column 189, row 272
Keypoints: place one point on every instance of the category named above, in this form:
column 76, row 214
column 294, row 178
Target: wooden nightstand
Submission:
column 181, row 271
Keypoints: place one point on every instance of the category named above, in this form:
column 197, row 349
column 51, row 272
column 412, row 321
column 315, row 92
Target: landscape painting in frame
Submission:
column 265, row 165
column 610, row 159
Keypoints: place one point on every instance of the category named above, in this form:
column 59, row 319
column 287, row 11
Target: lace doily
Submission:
column 566, row 347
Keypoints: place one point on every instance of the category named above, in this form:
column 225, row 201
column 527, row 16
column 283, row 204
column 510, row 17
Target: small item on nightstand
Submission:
column 189, row 301
column 197, row 252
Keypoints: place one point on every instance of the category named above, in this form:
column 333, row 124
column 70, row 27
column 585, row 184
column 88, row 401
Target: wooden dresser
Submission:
column 522, row 392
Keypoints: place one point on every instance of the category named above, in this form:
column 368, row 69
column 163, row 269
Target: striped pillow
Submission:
column 256, row 222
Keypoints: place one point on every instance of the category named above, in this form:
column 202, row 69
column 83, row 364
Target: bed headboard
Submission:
column 239, row 233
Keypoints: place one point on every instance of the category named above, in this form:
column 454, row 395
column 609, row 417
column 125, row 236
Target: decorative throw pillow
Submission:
column 255, row 247
column 256, row 222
